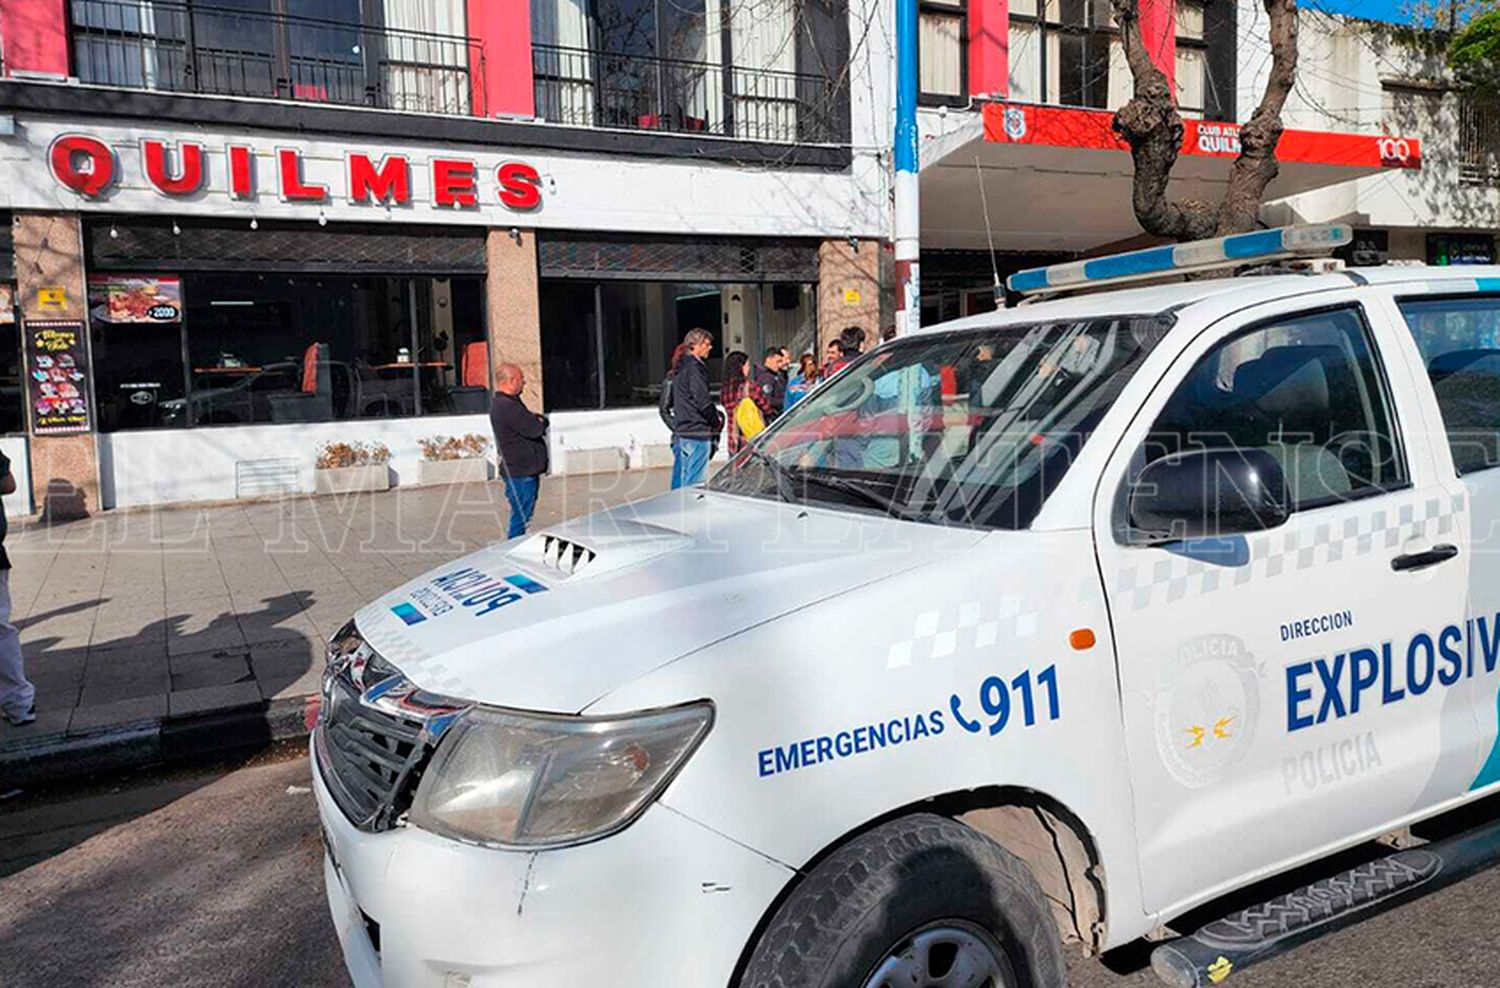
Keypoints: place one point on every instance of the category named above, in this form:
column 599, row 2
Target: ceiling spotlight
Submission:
column 254, row 223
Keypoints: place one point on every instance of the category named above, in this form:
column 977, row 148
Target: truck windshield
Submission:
column 973, row 428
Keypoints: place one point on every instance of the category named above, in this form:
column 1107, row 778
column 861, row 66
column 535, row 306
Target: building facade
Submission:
column 1020, row 165
column 236, row 231
column 1371, row 77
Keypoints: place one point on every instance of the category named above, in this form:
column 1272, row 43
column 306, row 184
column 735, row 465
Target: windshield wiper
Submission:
column 786, row 488
column 885, row 504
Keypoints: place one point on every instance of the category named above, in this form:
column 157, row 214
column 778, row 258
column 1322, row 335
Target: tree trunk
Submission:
column 1153, row 128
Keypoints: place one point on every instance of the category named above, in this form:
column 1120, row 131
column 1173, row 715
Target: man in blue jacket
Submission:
column 695, row 417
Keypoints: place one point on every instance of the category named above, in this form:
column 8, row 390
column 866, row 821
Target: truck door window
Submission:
column 1307, row 390
column 1459, row 339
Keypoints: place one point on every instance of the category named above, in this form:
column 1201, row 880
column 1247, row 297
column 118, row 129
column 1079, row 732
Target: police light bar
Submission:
column 1199, row 255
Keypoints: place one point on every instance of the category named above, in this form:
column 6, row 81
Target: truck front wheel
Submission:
column 919, row 902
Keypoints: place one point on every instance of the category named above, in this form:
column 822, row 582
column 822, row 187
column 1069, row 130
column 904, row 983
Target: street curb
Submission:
column 158, row 741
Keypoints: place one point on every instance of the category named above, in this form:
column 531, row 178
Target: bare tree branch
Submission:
column 1256, row 167
column 1153, row 128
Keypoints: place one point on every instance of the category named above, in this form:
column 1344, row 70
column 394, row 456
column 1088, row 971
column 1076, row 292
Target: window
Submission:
column 660, row 65
column 1459, row 339
column 12, row 387
column 630, row 328
column 1478, row 140
column 972, row 428
column 1192, row 59
column 1307, row 391
column 1068, row 52
column 296, row 348
column 942, row 54
column 402, row 56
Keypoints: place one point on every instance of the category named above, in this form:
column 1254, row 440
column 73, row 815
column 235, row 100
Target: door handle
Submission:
column 1422, row 560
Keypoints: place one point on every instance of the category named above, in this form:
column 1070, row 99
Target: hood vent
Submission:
column 577, row 550
column 564, row 555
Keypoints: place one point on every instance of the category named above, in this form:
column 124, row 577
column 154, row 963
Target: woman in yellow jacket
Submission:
column 745, row 404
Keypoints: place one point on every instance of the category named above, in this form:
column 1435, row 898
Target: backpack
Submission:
column 664, row 403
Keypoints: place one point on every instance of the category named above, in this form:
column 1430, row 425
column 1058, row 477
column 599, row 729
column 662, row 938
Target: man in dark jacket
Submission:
column 521, row 439
column 695, row 417
column 772, row 384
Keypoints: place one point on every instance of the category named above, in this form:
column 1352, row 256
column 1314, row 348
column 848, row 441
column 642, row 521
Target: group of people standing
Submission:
column 752, row 395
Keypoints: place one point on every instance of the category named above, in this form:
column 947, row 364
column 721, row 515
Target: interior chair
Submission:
column 1290, row 388
column 473, row 392
column 313, row 402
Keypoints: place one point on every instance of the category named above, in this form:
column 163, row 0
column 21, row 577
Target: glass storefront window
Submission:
column 297, row 348
column 12, row 388
column 643, row 321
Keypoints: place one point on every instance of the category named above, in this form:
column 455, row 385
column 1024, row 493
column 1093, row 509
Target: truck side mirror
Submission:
column 1206, row 493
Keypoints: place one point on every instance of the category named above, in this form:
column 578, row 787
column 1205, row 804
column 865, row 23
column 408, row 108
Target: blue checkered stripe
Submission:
column 966, row 626
column 1170, row 578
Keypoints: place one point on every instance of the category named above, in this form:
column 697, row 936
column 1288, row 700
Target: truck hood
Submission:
column 553, row 621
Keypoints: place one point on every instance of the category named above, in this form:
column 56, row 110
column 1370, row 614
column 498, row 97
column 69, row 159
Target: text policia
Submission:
column 1334, row 686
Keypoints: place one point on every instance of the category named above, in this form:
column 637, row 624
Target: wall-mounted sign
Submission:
column 53, row 298
column 7, row 303
column 188, row 169
column 851, row 296
column 57, row 376
column 1089, row 129
column 135, row 298
column 1460, row 248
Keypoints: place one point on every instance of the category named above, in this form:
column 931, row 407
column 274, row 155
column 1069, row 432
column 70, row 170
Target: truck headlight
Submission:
column 536, row 780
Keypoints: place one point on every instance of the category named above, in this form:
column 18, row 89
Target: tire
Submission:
column 892, row 895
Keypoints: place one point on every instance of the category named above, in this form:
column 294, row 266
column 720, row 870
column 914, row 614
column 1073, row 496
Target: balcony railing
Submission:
column 1479, row 140
column 590, row 88
column 196, row 48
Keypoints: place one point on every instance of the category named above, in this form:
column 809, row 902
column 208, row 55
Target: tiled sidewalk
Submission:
column 147, row 617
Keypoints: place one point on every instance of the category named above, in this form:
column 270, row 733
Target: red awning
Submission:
column 1091, row 130
column 1059, row 179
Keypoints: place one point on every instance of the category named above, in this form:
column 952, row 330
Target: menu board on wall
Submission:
column 135, row 298
column 56, row 374
column 7, row 303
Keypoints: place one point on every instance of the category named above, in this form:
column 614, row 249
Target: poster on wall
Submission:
column 135, row 298
column 56, row 373
column 7, row 303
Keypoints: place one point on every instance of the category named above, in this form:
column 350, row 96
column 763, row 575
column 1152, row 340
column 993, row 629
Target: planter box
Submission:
column 654, row 455
column 475, row 470
column 349, row 480
column 605, row 459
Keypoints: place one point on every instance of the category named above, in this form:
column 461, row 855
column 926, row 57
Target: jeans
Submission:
column 689, row 461
column 521, row 493
column 16, row 694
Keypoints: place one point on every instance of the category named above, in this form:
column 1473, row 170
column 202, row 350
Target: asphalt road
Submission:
column 212, row 877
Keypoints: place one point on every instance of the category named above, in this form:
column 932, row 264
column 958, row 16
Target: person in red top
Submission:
column 834, row 360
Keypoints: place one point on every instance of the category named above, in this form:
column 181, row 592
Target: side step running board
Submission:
column 1252, row 935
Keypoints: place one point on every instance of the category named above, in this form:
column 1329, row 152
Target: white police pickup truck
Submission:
column 1047, row 625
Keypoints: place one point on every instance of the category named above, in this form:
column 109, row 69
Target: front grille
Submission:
column 368, row 757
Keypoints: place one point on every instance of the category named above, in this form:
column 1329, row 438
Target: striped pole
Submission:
column 908, row 218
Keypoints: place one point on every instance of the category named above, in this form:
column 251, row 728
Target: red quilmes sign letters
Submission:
column 178, row 169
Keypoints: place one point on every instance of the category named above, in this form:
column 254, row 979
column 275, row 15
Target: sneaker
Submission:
column 16, row 720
